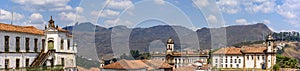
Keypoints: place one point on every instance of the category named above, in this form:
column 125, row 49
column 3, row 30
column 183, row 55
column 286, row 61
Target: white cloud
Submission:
column 266, row 21
column 264, row 6
column 79, row 9
column 290, row 11
column 161, row 2
column 36, row 18
column 122, row 4
column 201, row 3
column 241, row 21
column 212, row 19
column 111, row 22
column 229, row 6
column 107, row 13
column 70, row 18
column 67, row 7
column 115, row 22
column 44, row 5
column 7, row 15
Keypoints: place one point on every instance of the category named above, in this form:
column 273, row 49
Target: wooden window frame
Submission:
column 6, row 43
column 27, row 44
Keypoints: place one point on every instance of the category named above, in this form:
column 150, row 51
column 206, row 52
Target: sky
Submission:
column 279, row 15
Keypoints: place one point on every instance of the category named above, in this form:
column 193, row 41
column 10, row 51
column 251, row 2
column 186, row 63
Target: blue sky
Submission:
column 279, row 15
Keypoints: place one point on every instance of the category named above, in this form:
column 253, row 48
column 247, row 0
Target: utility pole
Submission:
column 12, row 18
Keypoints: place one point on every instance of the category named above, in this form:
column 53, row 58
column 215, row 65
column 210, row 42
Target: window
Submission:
column 27, row 62
column 269, row 43
column 239, row 60
column 234, row 60
column 230, row 60
column 43, row 44
column 6, row 43
column 237, row 65
column 27, row 44
column 6, row 63
column 225, row 65
column 221, row 65
column 247, row 57
column 17, row 44
column 258, row 57
column 35, row 45
column 216, row 60
column 17, row 63
column 62, row 61
column 62, row 44
column 252, row 57
column 263, row 57
column 225, row 60
column 68, row 44
column 230, row 65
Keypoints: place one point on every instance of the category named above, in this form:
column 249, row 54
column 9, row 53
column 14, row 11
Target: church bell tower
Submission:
column 270, row 43
column 169, row 51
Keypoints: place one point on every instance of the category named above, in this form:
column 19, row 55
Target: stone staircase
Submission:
column 42, row 57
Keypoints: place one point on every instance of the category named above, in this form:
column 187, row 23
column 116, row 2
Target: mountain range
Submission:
column 99, row 42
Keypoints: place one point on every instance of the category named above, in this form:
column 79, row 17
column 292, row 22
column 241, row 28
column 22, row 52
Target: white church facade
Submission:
column 29, row 47
column 246, row 57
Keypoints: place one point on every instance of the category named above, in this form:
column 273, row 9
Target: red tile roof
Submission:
column 228, row 50
column 244, row 49
column 138, row 64
column 21, row 29
column 247, row 49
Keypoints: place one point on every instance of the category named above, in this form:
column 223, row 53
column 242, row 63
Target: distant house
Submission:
column 137, row 65
column 246, row 57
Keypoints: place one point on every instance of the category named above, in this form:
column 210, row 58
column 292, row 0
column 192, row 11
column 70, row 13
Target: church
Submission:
column 27, row 48
column 246, row 57
column 181, row 59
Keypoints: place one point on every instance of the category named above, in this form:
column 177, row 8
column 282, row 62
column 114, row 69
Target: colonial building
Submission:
column 246, row 57
column 28, row 47
column 179, row 59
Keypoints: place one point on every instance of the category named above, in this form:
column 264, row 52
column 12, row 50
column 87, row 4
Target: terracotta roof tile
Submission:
column 247, row 49
column 243, row 49
column 21, row 29
column 185, row 68
column 126, row 64
column 138, row 64
column 228, row 50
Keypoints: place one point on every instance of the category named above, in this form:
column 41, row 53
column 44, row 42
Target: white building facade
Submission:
column 27, row 46
column 246, row 57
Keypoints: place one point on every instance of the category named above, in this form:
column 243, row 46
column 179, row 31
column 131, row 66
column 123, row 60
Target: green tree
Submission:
column 276, row 67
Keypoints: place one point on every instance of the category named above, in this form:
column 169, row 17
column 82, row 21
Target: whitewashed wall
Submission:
column 12, row 41
column 219, row 61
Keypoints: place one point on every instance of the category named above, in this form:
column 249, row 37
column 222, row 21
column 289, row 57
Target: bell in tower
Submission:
column 270, row 43
column 51, row 23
